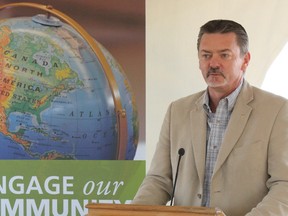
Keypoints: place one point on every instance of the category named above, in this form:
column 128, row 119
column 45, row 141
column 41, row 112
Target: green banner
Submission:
column 65, row 187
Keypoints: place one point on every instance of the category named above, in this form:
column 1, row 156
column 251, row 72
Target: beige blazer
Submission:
column 251, row 171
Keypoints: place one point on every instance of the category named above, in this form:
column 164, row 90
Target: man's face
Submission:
column 220, row 61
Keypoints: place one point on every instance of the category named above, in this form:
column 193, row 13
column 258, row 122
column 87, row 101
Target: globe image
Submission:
column 55, row 98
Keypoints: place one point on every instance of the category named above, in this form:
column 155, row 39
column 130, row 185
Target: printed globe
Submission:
column 55, row 97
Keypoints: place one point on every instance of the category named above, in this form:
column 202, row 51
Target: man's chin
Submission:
column 214, row 84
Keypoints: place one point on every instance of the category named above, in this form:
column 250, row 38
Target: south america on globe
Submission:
column 55, row 99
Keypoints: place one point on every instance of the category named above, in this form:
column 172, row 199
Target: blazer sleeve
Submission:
column 276, row 201
column 157, row 185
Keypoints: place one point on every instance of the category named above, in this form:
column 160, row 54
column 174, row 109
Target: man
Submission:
column 235, row 137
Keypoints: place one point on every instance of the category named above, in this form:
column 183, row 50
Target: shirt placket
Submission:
column 216, row 124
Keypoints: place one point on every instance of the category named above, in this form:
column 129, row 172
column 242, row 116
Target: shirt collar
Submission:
column 231, row 99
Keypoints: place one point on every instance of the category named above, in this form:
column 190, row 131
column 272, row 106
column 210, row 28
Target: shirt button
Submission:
column 199, row 196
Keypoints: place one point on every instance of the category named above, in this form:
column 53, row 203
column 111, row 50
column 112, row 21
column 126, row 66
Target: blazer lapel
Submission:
column 236, row 124
column 198, row 126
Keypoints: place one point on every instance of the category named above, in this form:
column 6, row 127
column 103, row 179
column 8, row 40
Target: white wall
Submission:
column 171, row 57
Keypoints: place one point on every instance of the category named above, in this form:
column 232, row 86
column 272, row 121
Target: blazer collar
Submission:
column 198, row 120
column 236, row 125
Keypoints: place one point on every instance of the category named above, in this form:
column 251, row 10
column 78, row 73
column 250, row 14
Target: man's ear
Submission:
column 246, row 61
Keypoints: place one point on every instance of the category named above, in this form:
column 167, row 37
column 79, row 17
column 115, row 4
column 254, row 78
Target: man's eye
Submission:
column 206, row 56
column 225, row 55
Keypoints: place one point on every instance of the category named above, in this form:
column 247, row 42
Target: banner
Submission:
column 61, row 188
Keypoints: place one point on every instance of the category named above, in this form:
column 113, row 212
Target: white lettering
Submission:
column 77, row 207
column 3, row 185
column 102, row 189
column 18, row 208
column 117, row 185
column 34, row 186
column 90, row 185
column 47, row 207
column 56, row 187
column 67, row 185
column 52, row 185
column 20, row 186
column 65, row 208
column 32, row 208
column 106, row 190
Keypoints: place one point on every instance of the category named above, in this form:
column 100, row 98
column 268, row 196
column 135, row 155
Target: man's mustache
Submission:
column 214, row 71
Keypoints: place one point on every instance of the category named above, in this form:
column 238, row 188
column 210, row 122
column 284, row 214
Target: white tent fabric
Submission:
column 171, row 57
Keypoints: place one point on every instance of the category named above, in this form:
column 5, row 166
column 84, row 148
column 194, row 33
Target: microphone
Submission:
column 181, row 152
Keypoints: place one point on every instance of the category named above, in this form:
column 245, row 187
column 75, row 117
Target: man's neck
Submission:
column 217, row 94
column 214, row 99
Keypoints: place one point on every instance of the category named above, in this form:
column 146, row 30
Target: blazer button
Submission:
column 199, row 196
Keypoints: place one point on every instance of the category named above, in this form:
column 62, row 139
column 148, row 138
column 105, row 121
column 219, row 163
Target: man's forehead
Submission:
column 220, row 51
column 219, row 41
column 218, row 37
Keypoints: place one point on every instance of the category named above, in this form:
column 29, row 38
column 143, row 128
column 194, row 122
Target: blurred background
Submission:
column 119, row 25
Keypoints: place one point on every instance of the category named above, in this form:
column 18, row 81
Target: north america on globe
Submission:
column 55, row 100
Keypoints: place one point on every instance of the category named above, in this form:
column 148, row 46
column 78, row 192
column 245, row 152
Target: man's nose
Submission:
column 214, row 62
